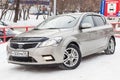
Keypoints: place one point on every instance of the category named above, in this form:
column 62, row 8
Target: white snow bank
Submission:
column 3, row 55
column 30, row 22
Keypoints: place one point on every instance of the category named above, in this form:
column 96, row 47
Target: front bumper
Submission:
column 37, row 56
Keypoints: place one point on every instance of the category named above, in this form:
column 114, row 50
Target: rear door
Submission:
column 101, row 28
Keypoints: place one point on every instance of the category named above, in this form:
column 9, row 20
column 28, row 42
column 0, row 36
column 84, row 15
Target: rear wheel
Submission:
column 72, row 57
column 111, row 47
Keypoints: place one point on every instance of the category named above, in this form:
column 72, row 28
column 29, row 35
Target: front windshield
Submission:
column 64, row 21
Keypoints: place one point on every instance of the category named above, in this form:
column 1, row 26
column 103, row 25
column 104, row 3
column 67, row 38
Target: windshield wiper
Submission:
column 44, row 28
column 50, row 28
column 72, row 16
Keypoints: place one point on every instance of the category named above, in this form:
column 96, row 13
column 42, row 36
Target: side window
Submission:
column 88, row 19
column 99, row 21
column 105, row 22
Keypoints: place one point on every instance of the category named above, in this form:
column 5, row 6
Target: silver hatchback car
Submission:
column 63, row 40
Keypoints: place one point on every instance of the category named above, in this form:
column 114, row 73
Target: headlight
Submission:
column 51, row 42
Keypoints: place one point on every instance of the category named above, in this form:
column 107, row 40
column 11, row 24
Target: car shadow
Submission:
column 36, row 69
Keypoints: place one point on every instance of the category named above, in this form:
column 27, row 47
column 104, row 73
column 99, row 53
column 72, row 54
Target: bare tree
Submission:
column 25, row 9
column 39, row 9
column 28, row 11
column 5, row 8
column 17, row 3
column 62, row 6
column 80, row 5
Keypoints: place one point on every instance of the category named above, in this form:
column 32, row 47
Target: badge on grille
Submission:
column 20, row 45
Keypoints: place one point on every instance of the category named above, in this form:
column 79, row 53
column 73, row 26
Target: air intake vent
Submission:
column 22, row 59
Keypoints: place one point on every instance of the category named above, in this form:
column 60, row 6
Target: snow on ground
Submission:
column 3, row 56
column 32, row 21
column 94, row 67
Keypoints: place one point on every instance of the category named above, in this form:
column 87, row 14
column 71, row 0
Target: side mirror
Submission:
column 86, row 25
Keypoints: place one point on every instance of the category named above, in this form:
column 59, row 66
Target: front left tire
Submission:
column 72, row 57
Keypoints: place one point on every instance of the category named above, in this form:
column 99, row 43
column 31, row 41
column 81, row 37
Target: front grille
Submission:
column 22, row 59
column 29, row 39
column 23, row 45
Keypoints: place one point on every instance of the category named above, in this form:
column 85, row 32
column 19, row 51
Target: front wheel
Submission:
column 111, row 47
column 72, row 57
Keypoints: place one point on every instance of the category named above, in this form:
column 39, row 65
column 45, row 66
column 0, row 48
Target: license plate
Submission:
column 19, row 53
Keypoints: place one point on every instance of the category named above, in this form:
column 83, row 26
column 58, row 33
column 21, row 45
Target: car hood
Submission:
column 40, row 33
column 43, row 33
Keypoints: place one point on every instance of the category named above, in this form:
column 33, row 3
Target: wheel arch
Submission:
column 71, row 40
column 75, row 43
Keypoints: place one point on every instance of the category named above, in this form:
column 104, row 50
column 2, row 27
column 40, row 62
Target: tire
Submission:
column 111, row 46
column 72, row 57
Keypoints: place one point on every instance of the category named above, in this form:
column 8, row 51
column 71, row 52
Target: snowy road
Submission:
column 94, row 67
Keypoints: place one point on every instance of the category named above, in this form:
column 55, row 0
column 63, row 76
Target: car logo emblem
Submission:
column 20, row 45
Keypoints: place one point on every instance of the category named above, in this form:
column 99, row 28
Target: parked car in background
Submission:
column 63, row 40
column 0, row 40
column 9, row 31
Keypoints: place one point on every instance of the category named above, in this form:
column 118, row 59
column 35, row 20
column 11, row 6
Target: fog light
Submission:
column 48, row 57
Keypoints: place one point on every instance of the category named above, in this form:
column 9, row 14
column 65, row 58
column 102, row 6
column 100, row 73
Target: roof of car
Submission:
column 82, row 13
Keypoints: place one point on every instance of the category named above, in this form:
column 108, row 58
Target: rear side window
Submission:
column 99, row 21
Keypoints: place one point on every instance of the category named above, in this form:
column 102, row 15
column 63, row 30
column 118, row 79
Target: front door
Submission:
column 88, row 37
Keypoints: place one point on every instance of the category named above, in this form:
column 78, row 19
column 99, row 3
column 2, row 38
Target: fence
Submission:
column 4, row 35
column 116, row 27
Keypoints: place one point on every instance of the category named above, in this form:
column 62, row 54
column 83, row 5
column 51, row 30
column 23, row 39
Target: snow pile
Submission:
column 30, row 22
column 3, row 55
